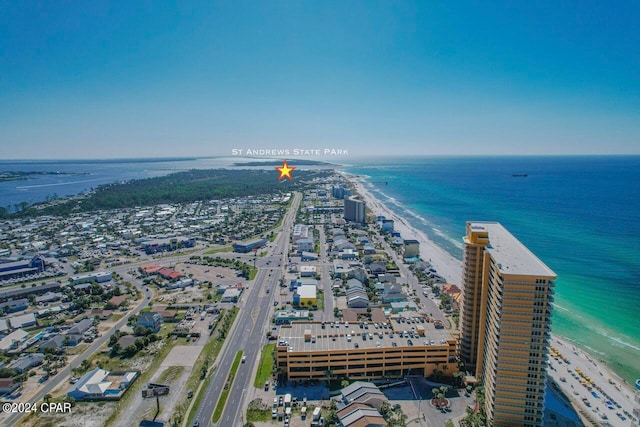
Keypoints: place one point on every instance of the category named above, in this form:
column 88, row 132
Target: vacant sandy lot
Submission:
column 182, row 355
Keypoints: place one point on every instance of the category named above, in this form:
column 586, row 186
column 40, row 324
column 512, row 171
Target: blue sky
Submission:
column 96, row 79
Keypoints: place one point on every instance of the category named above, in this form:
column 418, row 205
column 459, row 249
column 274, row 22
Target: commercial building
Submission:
column 313, row 350
column 244, row 248
column 10, row 270
column 505, row 323
column 98, row 277
column 300, row 231
column 231, row 294
column 169, row 244
column 16, row 293
column 185, row 283
column 285, row 317
column 308, row 270
column 306, row 295
column 354, row 210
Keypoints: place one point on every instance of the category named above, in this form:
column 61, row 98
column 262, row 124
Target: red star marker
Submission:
column 285, row 171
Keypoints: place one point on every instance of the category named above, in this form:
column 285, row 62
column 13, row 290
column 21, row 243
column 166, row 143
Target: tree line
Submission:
column 180, row 187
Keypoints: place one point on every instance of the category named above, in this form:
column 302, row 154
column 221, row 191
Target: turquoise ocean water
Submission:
column 580, row 215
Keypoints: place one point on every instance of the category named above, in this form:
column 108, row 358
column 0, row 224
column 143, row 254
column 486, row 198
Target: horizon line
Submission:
column 320, row 158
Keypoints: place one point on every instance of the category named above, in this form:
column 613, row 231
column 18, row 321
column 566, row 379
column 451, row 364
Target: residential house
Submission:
column 8, row 386
column 454, row 292
column 150, row 319
column 411, row 248
column 377, row 267
column 400, row 306
column 363, row 392
column 393, row 293
column 99, row 384
column 26, row 362
column 57, row 343
column 22, row 321
column 76, row 333
column 360, row 415
column 127, row 340
column 13, row 340
column 13, row 306
column 118, row 300
column 305, row 245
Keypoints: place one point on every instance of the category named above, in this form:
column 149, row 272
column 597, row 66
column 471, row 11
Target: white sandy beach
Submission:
column 451, row 269
column 447, row 266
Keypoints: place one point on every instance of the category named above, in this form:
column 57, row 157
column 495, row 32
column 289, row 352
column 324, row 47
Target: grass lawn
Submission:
column 258, row 415
column 215, row 251
column 115, row 317
column 266, row 363
column 320, row 300
column 225, row 393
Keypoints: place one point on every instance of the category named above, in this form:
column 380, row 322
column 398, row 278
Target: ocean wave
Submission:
column 624, row 343
column 605, row 333
column 590, row 349
column 403, row 211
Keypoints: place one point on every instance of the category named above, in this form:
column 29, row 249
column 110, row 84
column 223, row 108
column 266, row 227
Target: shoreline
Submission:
column 451, row 269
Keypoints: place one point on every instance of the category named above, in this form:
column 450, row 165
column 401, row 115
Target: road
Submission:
column 13, row 419
column 249, row 331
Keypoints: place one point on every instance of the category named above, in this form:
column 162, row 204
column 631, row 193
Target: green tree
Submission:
column 7, row 372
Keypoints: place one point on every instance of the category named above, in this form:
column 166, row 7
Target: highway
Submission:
column 249, row 331
column 325, row 279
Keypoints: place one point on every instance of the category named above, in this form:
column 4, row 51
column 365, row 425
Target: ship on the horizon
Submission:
column 522, row 174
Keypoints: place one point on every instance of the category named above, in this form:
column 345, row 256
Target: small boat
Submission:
column 638, row 384
column 516, row 175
